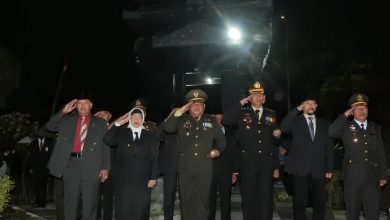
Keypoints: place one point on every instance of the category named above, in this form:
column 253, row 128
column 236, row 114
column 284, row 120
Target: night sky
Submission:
column 325, row 39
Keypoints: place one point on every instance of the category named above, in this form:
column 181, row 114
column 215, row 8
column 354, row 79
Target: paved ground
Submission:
column 283, row 211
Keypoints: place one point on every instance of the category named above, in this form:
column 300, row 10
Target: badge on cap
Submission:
column 195, row 94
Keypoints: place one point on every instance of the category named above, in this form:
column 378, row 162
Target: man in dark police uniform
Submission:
column 364, row 159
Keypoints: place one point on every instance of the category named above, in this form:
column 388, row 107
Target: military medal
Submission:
column 247, row 127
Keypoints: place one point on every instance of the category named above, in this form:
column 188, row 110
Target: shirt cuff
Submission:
column 117, row 124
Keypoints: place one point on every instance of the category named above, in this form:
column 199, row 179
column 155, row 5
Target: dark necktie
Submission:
column 257, row 114
column 362, row 125
column 311, row 127
column 136, row 136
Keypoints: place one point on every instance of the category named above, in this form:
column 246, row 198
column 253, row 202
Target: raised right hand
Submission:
column 122, row 120
column 349, row 112
column 69, row 107
column 245, row 100
column 184, row 108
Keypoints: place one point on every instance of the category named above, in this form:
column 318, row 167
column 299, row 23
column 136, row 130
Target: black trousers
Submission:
column 132, row 202
column 361, row 189
column 40, row 178
column 221, row 185
column 170, row 189
column 59, row 197
column 74, row 188
column 257, row 194
column 305, row 186
column 106, row 199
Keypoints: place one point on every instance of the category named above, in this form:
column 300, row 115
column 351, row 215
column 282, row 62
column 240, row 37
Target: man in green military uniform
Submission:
column 201, row 139
column 364, row 159
column 257, row 164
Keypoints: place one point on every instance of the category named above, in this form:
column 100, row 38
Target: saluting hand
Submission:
column 349, row 112
column 245, row 100
column 328, row 175
column 123, row 119
column 69, row 107
column 382, row 183
column 184, row 108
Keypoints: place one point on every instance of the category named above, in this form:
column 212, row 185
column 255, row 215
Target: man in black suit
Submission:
column 258, row 164
column 106, row 189
column 168, row 166
column 222, row 174
column 80, row 156
column 364, row 167
column 310, row 158
column 41, row 149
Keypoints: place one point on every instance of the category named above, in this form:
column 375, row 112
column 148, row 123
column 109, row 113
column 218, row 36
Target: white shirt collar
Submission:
column 359, row 123
column 307, row 116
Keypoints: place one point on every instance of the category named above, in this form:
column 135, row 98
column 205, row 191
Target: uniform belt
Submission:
column 74, row 154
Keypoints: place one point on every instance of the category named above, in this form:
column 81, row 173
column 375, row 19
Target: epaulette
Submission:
column 150, row 126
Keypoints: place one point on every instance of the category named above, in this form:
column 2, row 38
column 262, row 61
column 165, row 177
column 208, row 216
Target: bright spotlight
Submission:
column 209, row 80
column 234, row 34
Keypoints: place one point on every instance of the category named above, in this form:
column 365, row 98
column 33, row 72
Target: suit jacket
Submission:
column 135, row 162
column 168, row 151
column 364, row 151
column 96, row 154
column 257, row 148
column 38, row 159
column 307, row 156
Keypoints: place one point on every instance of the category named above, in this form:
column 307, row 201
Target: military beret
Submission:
column 358, row 99
column 256, row 86
column 196, row 95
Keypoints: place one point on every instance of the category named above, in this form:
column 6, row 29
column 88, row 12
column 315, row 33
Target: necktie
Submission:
column 83, row 132
column 311, row 127
column 257, row 114
column 362, row 125
column 136, row 136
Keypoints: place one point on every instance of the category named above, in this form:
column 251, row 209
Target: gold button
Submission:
column 259, row 151
column 365, row 143
column 350, row 161
column 197, row 128
column 259, row 141
column 243, row 151
column 196, row 136
column 196, row 145
column 128, row 145
column 196, row 154
column 366, row 159
column 259, row 123
column 259, row 131
column 364, row 135
column 366, row 151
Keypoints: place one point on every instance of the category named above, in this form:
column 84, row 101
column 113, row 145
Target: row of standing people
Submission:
column 201, row 139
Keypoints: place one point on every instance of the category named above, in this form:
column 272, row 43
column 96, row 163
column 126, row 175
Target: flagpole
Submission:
column 59, row 85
